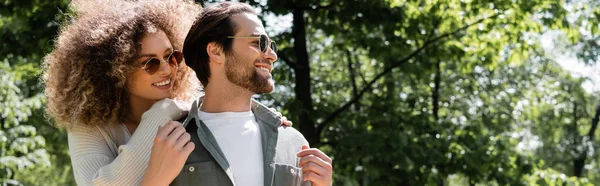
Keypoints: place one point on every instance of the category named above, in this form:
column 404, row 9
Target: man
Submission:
column 239, row 142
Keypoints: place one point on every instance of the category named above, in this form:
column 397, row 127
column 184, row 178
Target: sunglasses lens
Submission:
column 152, row 66
column 264, row 40
column 264, row 43
column 175, row 58
column 274, row 46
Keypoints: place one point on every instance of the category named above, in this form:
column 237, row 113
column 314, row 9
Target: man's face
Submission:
column 247, row 66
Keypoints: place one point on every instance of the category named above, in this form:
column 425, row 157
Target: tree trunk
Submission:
column 303, row 81
column 579, row 163
column 435, row 101
column 436, row 91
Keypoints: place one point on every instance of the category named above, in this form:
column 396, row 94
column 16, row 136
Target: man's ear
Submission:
column 215, row 52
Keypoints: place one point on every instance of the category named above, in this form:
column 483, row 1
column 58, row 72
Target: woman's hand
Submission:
column 171, row 149
column 284, row 120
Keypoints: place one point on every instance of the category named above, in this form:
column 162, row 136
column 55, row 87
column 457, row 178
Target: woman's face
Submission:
column 156, row 84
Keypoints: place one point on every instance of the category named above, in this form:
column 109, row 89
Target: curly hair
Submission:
column 87, row 73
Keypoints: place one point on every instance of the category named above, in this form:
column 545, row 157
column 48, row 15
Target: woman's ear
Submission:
column 215, row 52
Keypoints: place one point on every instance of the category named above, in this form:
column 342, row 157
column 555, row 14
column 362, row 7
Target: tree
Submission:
column 28, row 29
column 428, row 76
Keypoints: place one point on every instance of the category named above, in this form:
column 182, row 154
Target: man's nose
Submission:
column 270, row 55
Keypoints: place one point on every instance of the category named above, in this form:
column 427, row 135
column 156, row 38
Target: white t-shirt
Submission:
column 238, row 136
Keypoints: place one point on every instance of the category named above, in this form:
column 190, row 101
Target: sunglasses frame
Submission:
column 146, row 68
column 270, row 43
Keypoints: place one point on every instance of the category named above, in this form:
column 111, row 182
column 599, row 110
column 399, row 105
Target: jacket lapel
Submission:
column 208, row 140
column 268, row 122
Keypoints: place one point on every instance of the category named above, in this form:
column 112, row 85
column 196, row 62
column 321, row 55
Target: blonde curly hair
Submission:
column 87, row 73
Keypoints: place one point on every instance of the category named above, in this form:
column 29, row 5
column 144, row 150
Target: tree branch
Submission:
column 324, row 7
column 396, row 64
column 352, row 75
column 319, row 7
column 436, row 91
column 579, row 162
column 594, row 123
column 288, row 62
column 362, row 77
column 311, row 7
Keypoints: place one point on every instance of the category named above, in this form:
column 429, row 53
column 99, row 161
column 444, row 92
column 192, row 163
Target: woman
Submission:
column 106, row 81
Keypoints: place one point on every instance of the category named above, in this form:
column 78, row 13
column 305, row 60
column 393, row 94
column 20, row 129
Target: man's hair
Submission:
column 87, row 73
column 214, row 25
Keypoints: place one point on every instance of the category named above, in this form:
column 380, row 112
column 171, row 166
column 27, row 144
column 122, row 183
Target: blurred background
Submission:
column 421, row 92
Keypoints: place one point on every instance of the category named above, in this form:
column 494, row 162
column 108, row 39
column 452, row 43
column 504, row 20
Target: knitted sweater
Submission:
column 109, row 155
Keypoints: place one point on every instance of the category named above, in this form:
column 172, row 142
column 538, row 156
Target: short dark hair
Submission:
column 213, row 25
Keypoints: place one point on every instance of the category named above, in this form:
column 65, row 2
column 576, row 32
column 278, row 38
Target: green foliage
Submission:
column 28, row 144
column 552, row 177
column 21, row 147
column 406, row 129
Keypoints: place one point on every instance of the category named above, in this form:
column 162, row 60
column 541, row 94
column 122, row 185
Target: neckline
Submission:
column 125, row 129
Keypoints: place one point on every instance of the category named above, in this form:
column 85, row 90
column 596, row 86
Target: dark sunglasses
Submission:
column 263, row 42
column 153, row 64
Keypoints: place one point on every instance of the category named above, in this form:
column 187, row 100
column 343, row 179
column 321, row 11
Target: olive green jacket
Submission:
column 207, row 164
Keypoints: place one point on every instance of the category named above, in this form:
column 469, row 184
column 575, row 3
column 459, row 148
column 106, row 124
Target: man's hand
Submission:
column 316, row 166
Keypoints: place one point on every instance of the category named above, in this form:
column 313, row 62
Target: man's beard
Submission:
column 241, row 74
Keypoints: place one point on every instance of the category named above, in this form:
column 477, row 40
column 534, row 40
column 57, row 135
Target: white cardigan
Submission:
column 110, row 155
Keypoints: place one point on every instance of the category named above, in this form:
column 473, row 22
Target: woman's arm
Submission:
column 94, row 163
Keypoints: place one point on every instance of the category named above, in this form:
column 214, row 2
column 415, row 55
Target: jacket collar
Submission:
column 261, row 112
